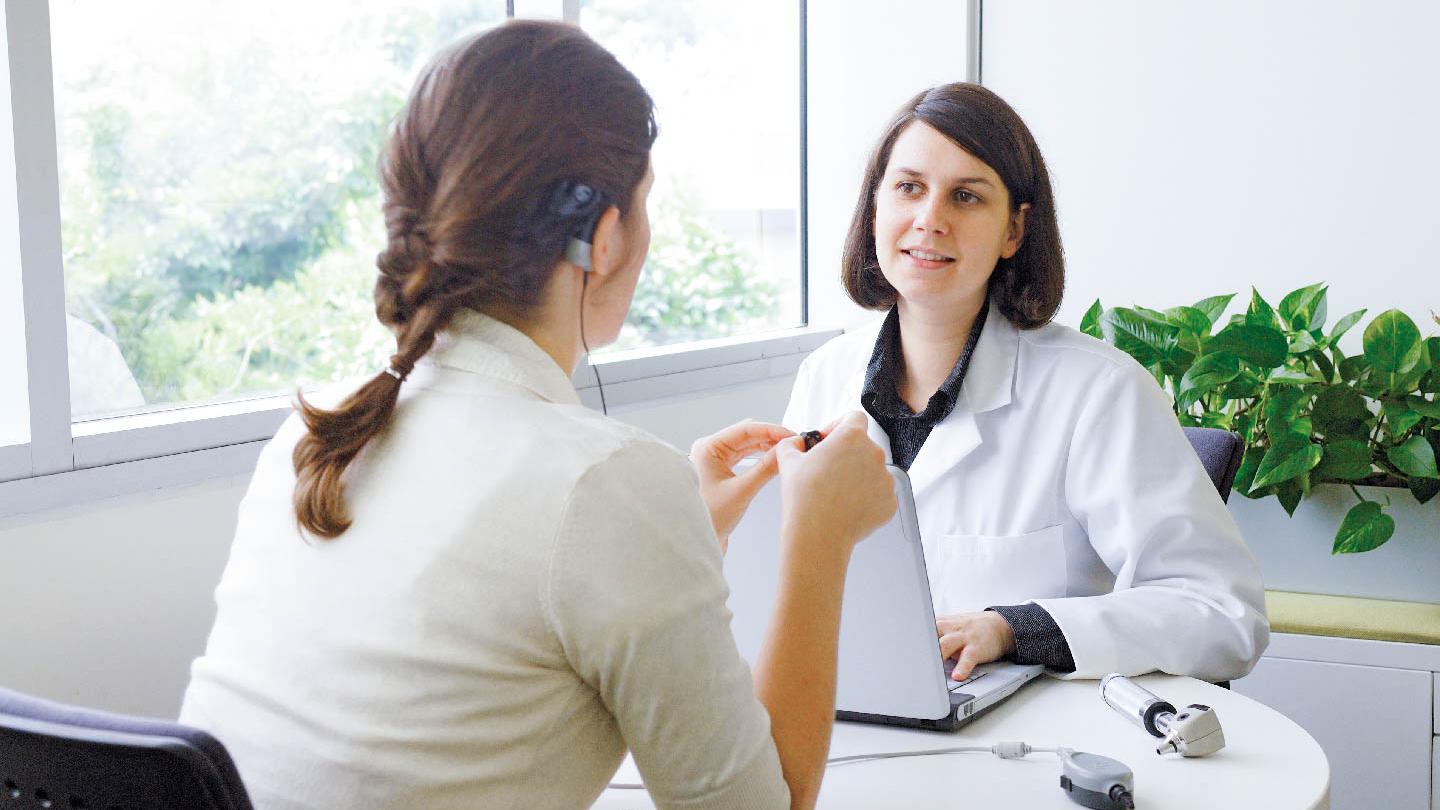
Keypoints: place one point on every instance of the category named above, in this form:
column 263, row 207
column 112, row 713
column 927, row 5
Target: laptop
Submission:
column 890, row 670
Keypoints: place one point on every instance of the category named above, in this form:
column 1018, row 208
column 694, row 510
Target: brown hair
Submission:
column 1028, row 286
column 492, row 127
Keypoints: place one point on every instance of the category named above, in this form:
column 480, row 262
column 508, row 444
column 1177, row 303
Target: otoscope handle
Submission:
column 1139, row 704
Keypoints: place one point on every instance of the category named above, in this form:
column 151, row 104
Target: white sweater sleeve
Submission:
column 636, row 597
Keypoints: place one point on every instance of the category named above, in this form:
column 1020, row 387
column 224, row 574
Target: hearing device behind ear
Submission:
column 580, row 207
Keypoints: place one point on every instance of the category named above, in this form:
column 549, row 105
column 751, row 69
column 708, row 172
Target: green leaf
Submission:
column 1246, row 386
column 1343, row 325
column 1154, row 316
column 1302, row 342
column 1399, row 417
column 1365, row 527
column 1424, row 406
column 1249, row 464
column 1290, row 493
column 1352, row 368
column 1189, row 318
column 1136, row 335
column 1261, row 346
column 1291, row 376
column 1214, row 419
column 1424, row 488
column 1344, row 460
column 1392, row 343
column 1090, row 324
column 1322, row 362
column 1432, row 348
column 1210, row 371
column 1319, row 313
column 1299, row 308
column 1292, row 456
column 1213, row 306
column 1260, row 312
column 1341, row 411
column 1283, row 405
column 1415, row 457
column 1405, row 382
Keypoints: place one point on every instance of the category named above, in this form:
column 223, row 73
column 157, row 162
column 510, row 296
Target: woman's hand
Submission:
column 837, row 493
column 726, row 494
column 974, row 639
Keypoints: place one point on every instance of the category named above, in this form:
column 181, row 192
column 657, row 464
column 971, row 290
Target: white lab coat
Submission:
column 1062, row 477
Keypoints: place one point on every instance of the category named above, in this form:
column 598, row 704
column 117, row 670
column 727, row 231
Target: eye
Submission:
column 907, row 188
column 964, row 196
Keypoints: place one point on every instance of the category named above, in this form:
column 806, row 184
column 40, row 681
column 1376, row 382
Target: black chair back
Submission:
column 66, row 758
column 1220, row 452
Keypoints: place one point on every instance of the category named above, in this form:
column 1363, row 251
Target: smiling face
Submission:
column 942, row 221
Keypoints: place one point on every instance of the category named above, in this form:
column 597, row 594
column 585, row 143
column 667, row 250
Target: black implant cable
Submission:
column 585, row 285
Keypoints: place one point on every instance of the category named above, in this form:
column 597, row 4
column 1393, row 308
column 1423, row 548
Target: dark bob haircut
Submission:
column 1027, row 287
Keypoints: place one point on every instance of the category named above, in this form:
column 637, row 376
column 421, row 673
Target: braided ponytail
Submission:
column 464, row 211
column 336, row 437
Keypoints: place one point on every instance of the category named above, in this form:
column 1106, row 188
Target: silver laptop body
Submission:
column 890, row 670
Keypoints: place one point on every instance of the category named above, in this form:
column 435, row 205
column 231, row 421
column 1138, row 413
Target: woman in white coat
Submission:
column 456, row 587
column 1065, row 518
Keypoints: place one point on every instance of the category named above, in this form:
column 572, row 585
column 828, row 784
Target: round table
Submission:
column 1268, row 761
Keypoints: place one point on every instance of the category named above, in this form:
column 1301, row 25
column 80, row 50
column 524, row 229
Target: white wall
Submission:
column 105, row 605
column 1201, row 148
column 865, row 60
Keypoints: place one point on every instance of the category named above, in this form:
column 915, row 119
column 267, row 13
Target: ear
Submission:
column 1015, row 234
column 607, row 250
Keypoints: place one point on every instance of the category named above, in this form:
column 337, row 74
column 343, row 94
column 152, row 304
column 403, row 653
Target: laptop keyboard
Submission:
column 953, row 685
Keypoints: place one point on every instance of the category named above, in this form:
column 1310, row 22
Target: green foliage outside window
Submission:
column 221, row 212
column 1309, row 414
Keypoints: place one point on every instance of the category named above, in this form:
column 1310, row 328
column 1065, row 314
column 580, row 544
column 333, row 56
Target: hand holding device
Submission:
column 840, row 489
column 726, row 494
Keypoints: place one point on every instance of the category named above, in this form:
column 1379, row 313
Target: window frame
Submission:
column 67, row 462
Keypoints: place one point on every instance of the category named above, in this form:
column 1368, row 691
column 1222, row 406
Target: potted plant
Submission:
column 1309, row 414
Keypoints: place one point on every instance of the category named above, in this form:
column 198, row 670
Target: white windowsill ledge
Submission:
column 163, row 449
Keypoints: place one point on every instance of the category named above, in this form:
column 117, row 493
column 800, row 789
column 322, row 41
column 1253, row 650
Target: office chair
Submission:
column 1220, row 452
column 68, row 758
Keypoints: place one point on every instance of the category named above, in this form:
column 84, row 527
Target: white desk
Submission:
column 1268, row 760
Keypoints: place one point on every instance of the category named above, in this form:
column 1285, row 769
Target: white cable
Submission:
column 1010, row 749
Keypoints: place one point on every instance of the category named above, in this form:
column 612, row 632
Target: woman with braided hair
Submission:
column 456, row 587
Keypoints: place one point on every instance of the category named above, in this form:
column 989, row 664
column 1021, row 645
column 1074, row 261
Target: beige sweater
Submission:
column 528, row 589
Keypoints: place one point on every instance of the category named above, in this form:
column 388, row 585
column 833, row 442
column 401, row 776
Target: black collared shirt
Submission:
column 909, row 430
column 1038, row 639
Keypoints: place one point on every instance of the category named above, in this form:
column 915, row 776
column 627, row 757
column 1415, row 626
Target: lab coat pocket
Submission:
column 970, row 572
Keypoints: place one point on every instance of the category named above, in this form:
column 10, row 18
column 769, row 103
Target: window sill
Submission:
column 162, row 449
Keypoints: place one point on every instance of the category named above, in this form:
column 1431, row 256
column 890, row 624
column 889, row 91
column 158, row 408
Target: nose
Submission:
column 929, row 217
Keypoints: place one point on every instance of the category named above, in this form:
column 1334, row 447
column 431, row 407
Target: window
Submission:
column 725, row 211
column 14, row 393
column 219, row 207
column 14, row 396
column 203, row 218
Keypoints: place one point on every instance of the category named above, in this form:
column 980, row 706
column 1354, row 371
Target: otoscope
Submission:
column 1191, row 732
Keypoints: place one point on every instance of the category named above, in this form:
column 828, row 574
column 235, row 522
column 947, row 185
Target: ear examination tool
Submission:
column 1190, row 732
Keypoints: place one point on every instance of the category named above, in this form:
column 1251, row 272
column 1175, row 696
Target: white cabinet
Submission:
column 1376, row 724
column 1435, row 773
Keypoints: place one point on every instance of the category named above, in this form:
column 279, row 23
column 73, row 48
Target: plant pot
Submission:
column 1294, row 552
